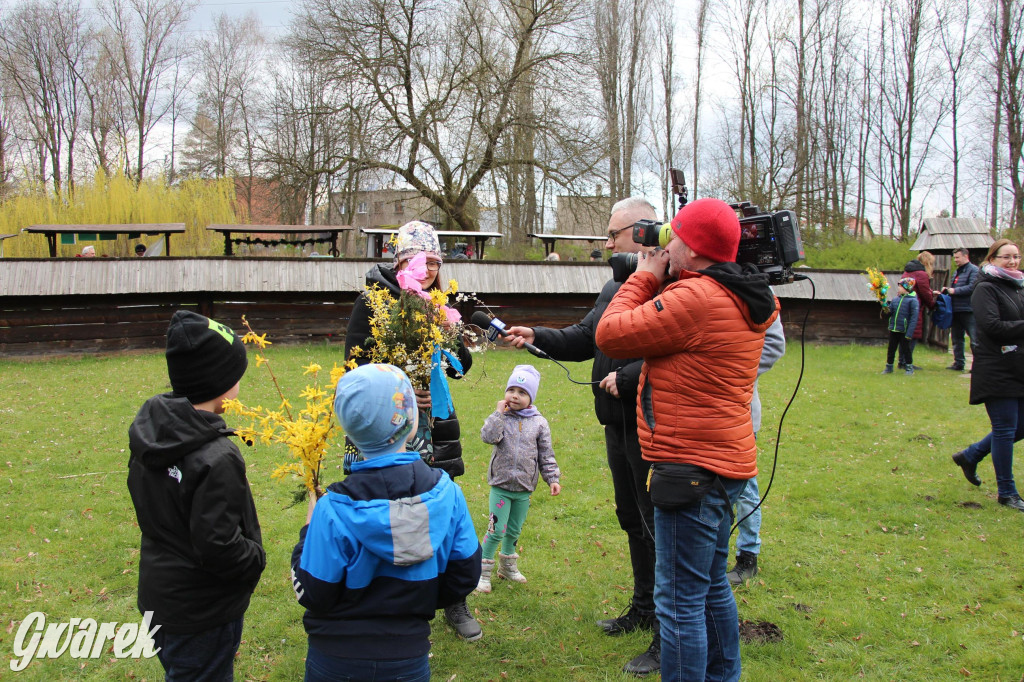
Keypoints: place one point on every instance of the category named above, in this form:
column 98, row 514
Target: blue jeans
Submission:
column 748, row 538
column 700, row 636
column 207, row 656
column 1007, row 418
column 321, row 667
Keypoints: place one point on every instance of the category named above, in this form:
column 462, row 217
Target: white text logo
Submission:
column 81, row 638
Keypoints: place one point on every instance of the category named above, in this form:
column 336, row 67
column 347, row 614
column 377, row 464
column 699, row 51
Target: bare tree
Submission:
column 911, row 109
column 1001, row 39
column 1013, row 104
column 226, row 63
column 310, row 134
column 142, row 43
column 443, row 78
column 698, row 94
column 957, row 41
column 42, row 48
column 621, row 36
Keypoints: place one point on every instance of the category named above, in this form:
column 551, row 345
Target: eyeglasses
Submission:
column 431, row 265
column 1008, row 256
column 612, row 234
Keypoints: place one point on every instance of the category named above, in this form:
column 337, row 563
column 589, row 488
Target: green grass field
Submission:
column 879, row 561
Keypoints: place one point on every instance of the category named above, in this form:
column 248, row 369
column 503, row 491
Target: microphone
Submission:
column 496, row 328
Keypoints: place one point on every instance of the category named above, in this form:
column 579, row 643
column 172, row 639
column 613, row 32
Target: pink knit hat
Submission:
column 709, row 227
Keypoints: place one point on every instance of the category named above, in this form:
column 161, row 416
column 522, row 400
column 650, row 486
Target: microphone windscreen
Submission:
column 480, row 319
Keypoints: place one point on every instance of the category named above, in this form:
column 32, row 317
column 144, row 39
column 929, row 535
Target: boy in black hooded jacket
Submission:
column 202, row 553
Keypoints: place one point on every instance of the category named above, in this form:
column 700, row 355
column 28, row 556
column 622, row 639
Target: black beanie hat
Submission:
column 204, row 358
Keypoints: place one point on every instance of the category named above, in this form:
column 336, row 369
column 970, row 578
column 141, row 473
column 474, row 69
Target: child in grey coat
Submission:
column 522, row 452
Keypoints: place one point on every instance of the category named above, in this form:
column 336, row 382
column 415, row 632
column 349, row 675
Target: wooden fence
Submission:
column 60, row 306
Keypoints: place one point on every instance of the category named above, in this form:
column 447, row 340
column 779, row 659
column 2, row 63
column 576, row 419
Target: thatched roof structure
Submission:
column 942, row 235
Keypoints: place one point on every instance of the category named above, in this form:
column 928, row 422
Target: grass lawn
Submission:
column 879, row 560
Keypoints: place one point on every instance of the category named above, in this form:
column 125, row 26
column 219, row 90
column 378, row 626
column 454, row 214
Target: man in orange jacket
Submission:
column 701, row 336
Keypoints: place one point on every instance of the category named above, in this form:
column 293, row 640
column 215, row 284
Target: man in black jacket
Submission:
column 615, row 385
column 202, row 553
column 960, row 290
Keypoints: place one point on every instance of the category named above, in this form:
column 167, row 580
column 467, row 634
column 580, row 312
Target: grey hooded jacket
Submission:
column 522, row 450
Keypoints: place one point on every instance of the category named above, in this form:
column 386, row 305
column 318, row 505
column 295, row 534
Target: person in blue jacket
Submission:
column 902, row 321
column 960, row 290
column 383, row 549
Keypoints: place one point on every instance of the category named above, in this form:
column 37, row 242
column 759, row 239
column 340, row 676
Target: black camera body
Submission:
column 769, row 241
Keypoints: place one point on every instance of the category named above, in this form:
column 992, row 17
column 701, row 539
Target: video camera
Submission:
column 769, row 241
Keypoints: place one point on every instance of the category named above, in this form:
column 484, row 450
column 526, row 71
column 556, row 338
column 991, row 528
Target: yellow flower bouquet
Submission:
column 412, row 331
column 307, row 432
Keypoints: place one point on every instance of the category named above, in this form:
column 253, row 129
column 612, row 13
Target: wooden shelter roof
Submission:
column 942, row 235
column 118, row 276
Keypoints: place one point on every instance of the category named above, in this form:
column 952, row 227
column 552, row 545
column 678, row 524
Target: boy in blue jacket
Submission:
column 385, row 548
column 902, row 322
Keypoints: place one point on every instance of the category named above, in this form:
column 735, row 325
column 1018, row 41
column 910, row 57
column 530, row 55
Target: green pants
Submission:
column 508, row 512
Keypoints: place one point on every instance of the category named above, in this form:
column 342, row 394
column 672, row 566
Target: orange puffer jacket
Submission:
column 701, row 351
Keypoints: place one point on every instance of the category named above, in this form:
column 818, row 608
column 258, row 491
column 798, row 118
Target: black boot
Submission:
column 648, row 662
column 744, row 570
column 632, row 619
column 970, row 469
column 465, row 625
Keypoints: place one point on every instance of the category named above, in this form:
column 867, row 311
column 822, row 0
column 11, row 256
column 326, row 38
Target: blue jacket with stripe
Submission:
column 384, row 550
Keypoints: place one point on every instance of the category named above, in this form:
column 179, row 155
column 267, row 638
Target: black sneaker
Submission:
column 956, row 368
column 646, row 663
column 465, row 625
column 1012, row 502
column 632, row 619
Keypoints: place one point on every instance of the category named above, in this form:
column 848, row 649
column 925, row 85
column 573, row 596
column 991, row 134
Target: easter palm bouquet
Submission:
column 417, row 331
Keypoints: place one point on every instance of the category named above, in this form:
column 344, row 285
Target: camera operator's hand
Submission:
column 655, row 262
column 517, row 336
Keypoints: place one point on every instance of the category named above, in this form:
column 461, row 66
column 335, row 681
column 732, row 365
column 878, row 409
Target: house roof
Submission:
column 942, row 235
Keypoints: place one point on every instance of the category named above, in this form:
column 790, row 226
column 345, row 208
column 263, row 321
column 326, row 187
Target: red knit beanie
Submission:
column 709, row 227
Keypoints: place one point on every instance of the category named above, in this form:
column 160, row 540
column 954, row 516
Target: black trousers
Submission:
column 897, row 339
column 633, row 506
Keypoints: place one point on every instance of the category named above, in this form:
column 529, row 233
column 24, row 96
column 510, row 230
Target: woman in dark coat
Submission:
column 920, row 269
column 443, row 450
column 997, row 376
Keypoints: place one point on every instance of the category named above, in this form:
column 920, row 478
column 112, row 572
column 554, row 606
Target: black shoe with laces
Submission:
column 646, row 663
column 465, row 625
column 744, row 570
column 1013, row 502
column 970, row 469
column 632, row 619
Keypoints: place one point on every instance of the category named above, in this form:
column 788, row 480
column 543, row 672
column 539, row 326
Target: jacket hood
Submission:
column 403, row 531
column 748, row 284
column 914, row 266
column 167, row 428
column 383, row 276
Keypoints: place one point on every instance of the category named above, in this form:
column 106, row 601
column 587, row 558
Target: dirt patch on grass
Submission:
column 969, row 505
column 761, row 632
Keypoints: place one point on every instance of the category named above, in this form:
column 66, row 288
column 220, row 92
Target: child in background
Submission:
column 522, row 450
column 202, row 553
column 902, row 322
column 383, row 549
